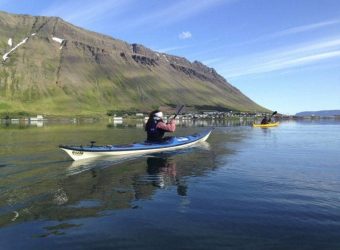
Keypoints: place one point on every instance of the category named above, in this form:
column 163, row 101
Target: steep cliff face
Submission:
column 51, row 66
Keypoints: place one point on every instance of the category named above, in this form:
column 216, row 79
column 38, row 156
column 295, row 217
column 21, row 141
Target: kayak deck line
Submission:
column 173, row 143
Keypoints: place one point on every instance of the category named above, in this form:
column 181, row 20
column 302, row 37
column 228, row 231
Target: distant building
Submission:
column 38, row 118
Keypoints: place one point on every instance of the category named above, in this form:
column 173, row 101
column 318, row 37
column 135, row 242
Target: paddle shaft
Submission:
column 274, row 113
column 270, row 118
column 180, row 109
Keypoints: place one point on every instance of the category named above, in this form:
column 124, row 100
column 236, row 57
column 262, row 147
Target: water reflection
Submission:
column 88, row 189
column 188, row 123
column 135, row 123
column 22, row 123
column 140, row 123
column 162, row 173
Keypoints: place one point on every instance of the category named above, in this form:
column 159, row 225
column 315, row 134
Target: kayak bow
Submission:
column 173, row 143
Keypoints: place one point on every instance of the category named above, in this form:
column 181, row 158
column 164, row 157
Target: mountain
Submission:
column 50, row 66
column 319, row 113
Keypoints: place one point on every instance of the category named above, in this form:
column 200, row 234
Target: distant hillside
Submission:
column 319, row 113
column 52, row 67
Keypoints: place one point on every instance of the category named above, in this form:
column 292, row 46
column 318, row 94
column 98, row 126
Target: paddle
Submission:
column 270, row 118
column 179, row 110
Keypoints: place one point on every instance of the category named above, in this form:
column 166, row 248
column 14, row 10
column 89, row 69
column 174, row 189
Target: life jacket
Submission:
column 265, row 121
column 154, row 133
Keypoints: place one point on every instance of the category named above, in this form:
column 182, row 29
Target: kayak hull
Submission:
column 274, row 124
column 174, row 143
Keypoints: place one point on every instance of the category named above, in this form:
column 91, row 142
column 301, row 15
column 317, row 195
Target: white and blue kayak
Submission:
column 173, row 143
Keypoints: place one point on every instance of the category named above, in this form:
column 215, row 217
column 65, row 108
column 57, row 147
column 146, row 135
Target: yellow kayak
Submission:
column 273, row 124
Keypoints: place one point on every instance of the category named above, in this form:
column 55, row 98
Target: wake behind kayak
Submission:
column 173, row 143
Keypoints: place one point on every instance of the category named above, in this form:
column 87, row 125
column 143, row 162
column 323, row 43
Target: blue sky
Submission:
column 283, row 54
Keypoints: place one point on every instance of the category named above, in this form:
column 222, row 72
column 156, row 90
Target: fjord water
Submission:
column 246, row 188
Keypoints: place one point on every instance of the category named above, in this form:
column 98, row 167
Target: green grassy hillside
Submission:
column 61, row 69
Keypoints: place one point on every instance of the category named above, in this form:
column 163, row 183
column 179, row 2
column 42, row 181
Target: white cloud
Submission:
column 175, row 12
column 86, row 12
column 292, row 31
column 304, row 28
column 166, row 50
column 185, row 35
column 280, row 59
column 285, row 63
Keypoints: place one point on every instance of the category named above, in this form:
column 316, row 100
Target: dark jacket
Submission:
column 156, row 129
column 153, row 133
column 264, row 121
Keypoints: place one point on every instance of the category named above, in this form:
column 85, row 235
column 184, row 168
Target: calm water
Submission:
column 246, row 188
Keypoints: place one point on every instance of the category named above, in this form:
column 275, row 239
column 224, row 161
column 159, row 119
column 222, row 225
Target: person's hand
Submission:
column 171, row 120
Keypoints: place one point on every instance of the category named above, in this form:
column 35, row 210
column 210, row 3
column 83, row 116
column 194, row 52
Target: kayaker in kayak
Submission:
column 156, row 127
column 265, row 120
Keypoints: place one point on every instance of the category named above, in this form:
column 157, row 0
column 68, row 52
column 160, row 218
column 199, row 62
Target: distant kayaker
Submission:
column 265, row 120
column 156, row 127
